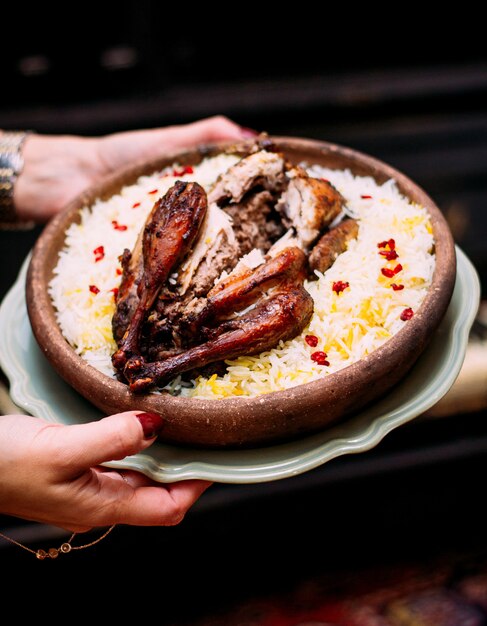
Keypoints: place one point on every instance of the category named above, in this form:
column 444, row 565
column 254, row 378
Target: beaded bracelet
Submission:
column 11, row 164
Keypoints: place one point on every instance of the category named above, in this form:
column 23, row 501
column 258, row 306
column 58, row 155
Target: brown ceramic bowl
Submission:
column 277, row 416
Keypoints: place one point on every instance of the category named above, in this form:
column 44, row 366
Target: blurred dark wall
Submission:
column 399, row 88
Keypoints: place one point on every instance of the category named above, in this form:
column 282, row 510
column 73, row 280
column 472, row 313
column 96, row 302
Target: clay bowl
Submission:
column 277, row 416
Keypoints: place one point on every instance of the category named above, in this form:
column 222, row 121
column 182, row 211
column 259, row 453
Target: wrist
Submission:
column 11, row 165
column 56, row 169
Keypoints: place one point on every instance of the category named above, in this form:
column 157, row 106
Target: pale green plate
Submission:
column 37, row 389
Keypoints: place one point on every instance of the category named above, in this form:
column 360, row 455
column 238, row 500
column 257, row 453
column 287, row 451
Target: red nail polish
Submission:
column 152, row 424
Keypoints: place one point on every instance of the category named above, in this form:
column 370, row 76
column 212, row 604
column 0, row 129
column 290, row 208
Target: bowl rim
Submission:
column 86, row 379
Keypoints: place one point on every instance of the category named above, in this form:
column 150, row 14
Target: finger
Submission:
column 212, row 129
column 138, row 479
column 217, row 128
column 158, row 505
column 81, row 446
column 132, row 498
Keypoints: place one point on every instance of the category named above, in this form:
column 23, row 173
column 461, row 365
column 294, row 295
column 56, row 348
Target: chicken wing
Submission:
column 331, row 244
column 279, row 317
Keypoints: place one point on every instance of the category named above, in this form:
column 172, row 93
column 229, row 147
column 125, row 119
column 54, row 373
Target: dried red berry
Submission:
column 94, row 289
column 386, row 271
column 135, row 205
column 311, row 340
column 390, row 243
column 397, row 287
column 339, row 286
column 118, row 226
column 99, row 253
column 407, row 314
column 320, row 358
column 366, row 197
column 390, row 255
column 186, row 169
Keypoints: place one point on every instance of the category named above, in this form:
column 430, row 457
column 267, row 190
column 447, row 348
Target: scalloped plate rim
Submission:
column 259, row 464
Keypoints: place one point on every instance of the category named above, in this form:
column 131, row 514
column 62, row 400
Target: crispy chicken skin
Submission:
column 283, row 309
column 239, row 219
column 168, row 235
column 127, row 298
column 277, row 317
column 331, row 244
column 242, row 288
column 238, row 291
column 309, row 205
column 197, row 319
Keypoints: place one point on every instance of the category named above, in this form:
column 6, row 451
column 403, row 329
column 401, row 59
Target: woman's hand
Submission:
column 52, row 473
column 58, row 168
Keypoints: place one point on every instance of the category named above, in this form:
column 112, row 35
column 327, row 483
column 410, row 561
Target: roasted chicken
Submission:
column 282, row 308
column 192, row 296
column 308, row 205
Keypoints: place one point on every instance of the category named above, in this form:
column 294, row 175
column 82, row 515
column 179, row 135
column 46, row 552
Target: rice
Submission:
column 356, row 307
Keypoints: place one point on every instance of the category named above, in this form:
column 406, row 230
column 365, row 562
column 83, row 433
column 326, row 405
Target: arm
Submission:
column 57, row 168
column 53, row 473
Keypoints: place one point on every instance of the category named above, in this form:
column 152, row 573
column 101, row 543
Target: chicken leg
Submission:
column 169, row 233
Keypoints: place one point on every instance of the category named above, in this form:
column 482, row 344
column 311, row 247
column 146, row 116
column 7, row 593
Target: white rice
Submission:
column 347, row 325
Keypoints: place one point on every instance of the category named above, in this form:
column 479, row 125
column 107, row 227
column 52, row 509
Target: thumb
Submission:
column 110, row 438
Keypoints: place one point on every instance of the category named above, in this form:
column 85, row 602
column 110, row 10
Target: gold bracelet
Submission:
column 64, row 548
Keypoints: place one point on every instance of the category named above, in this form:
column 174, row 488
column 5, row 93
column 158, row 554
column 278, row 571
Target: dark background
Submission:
column 413, row 93
column 408, row 92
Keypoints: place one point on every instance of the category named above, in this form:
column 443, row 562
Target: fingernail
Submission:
column 248, row 133
column 152, row 424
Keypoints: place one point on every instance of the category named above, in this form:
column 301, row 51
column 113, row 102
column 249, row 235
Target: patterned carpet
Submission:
column 450, row 592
